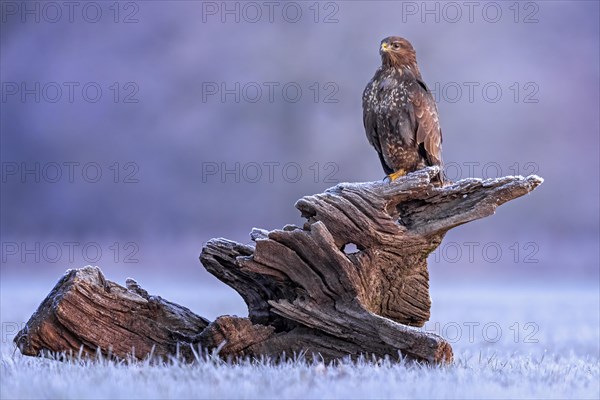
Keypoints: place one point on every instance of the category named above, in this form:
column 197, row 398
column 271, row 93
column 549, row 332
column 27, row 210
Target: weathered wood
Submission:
column 85, row 312
column 305, row 292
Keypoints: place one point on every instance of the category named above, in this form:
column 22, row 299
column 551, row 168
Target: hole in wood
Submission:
column 350, row 248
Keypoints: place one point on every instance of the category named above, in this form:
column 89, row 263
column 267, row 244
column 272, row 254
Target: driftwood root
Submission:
column 306, row 291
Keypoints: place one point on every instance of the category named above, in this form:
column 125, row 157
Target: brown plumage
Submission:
column 400, row 114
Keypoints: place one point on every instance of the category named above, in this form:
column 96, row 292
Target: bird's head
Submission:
column 398, row 52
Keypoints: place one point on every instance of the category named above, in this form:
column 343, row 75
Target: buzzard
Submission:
column 400, row 114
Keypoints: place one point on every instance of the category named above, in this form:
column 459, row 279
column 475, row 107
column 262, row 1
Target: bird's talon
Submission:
column 398, row 174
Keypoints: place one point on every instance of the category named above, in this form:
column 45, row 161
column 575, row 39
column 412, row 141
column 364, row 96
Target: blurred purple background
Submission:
column 190, row 145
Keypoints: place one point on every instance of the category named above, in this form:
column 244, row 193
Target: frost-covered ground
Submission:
column 508, row 343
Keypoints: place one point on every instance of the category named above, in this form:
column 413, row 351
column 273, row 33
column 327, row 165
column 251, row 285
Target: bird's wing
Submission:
column 429, row 132
column 369, row 119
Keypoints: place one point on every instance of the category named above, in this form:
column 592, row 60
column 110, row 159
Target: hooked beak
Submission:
column 384, row 47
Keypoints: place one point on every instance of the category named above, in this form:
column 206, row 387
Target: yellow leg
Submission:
column 396, row 175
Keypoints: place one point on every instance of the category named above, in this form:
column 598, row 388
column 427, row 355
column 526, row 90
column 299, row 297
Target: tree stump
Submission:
column 306, row 292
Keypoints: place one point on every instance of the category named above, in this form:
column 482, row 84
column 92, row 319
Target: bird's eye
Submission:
column 395, row 45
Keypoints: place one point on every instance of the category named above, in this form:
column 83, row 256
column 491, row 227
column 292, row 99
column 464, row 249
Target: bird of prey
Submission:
column 400, row 114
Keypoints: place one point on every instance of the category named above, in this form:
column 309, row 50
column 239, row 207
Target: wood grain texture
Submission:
column 306, row 293
column 85, row 312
